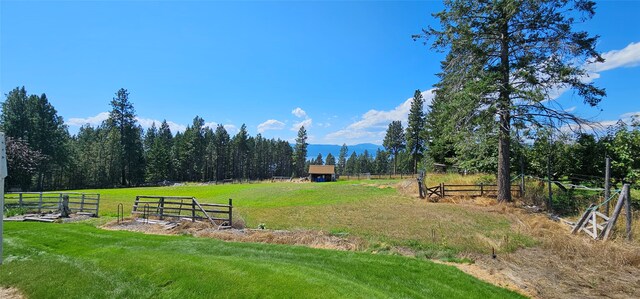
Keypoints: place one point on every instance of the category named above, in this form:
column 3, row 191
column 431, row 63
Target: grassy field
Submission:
column 81, row 261
column 384, row 217
column 376, row 210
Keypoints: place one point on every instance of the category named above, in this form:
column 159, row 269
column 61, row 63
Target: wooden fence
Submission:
column 443, row 190
column 187, row 208
column 368, row 176
column 79, row 203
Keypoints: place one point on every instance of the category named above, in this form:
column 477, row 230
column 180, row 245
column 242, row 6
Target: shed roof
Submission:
column 322, row 169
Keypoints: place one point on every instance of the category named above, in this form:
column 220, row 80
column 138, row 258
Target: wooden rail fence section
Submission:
column 82, row 203
column 187, row 208
column 443, row 190
column 588, row 222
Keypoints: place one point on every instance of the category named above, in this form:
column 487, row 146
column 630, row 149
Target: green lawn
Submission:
column 263, row 195
column 81, row 261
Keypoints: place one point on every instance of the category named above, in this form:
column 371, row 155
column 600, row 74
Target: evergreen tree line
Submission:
column 354, row 164
column 555, row 150
column 561, row 151
column 42, row 155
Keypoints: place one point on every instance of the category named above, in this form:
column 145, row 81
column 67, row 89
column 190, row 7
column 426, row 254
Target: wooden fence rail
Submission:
column 368, row 176
column 50, row 201
column 183, row 208
column 443, row 190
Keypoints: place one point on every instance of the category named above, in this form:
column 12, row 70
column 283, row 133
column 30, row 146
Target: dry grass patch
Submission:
column 562, row 265
column 10, row 293
column 437, row 230
column 309, row 238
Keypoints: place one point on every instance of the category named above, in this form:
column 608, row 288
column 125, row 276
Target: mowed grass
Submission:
column 245, row 195
column 81, row 261
column 374, row 210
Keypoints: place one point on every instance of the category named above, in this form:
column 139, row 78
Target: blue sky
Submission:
column 343, row 69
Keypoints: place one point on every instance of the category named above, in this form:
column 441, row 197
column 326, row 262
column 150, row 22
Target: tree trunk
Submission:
column 395, row 162
column 504, row 182
column 504, row 110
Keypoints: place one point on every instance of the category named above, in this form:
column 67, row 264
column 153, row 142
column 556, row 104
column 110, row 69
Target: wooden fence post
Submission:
column 135, row 204
column 627, row 207
column 40, row 204
column 82, row 203
column 481, row 189
column 230, row 212
column 161, row 208
column 20, row 200
column 522, row 186
column 98, row 205
column 193, row 209
column 607, row 184
column 442, row 189
column 616, row 213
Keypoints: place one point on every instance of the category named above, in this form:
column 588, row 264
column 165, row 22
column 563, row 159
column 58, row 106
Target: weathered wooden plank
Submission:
column 616, row 212
column 589, row 232
column 38, row 219
column 602, row 215
column 582, row 219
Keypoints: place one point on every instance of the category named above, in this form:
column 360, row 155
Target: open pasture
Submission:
column 384, row 212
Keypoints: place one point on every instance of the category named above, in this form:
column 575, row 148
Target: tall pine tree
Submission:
column 394, row 141
column 415, row 129
column 509, row 57
column 300, row 152
column 126, row 139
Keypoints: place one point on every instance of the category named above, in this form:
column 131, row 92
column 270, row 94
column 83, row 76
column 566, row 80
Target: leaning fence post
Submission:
column 616, row 212
column 230, row 212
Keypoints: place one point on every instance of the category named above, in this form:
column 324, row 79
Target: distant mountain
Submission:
column 325, row 149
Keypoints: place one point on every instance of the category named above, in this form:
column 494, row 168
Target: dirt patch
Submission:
column 497, row 278
column 310, row 238
column 561, row 266
column 10, row 293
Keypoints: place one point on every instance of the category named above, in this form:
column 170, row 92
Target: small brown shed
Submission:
column 322, row 173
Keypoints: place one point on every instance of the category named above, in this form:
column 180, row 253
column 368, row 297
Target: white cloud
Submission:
column 298, row 112
column 270, row 124
column 602, row 126
column 147, row 122
column 144, row 122
column 306, row 123
column 373, row 124
column 627, row 57
column 92, row 120
column 231, row 128
column 630, row 115
column 211, row 125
